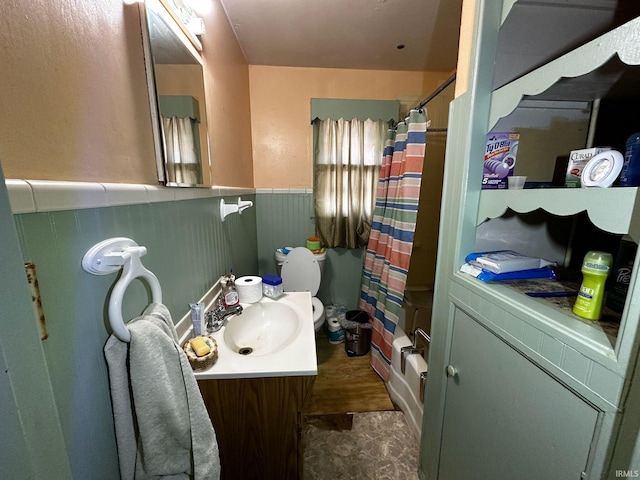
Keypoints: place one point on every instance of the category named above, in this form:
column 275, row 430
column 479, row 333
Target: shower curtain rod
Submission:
column 435, row 93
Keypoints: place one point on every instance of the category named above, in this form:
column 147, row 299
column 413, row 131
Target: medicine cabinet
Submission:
column 175, row 77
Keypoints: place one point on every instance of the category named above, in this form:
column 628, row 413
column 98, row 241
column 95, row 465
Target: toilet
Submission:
column 301, row 271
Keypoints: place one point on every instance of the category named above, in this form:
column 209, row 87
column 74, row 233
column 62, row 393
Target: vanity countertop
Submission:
column 295, row 358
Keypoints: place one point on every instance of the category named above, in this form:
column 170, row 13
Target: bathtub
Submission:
column 404, row 390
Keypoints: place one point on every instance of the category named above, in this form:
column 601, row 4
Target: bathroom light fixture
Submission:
column 200, row 6
column 188, row 10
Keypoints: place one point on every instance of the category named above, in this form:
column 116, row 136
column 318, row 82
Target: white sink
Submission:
column 270, row 338
column 262, row 329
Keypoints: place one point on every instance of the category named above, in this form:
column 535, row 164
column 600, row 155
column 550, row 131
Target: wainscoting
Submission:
column 188, row 248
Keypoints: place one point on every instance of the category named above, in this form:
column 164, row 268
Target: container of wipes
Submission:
column 272, row 286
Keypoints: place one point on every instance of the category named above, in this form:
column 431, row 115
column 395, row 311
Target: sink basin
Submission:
column 271, row 338
column 262, row 329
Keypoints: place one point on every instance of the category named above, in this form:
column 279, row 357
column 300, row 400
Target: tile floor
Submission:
column 359, row 446
column 352, row 430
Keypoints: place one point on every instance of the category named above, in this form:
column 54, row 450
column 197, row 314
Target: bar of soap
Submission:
column 199, row 346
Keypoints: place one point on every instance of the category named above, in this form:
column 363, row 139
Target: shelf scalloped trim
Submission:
column 610, row 209
column 623, row 41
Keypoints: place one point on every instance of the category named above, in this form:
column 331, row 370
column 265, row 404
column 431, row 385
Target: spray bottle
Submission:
column 595, row 270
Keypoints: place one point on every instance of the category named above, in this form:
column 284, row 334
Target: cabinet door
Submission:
column 505, row 417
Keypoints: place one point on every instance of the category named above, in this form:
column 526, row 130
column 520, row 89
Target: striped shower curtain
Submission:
column 388, row 252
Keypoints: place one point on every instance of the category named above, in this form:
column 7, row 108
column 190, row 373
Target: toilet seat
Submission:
column 301, row 272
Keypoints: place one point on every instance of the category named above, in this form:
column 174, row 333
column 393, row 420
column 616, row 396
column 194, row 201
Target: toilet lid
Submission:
column 301, row 272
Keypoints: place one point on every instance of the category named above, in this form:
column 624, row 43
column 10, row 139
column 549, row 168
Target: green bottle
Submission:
column 595, row 270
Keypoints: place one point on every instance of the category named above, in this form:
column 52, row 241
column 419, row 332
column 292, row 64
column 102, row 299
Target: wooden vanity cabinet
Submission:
column 258, row 424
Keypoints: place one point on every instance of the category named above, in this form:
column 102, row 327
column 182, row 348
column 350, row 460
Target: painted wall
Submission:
column 285, row 219
column 280, row 112
column 465, row 46
column 74, row 94
column 228, row 109
column 283, row 157
column 74, row 97
column 422, row 268
column 188, row 246
column 75, row 107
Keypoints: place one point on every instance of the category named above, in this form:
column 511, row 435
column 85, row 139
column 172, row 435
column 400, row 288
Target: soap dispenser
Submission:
column 230, row 296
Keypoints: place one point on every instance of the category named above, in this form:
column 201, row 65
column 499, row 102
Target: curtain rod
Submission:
column 444, row 85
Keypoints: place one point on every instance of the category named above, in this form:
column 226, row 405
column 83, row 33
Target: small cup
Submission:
column 516, row 182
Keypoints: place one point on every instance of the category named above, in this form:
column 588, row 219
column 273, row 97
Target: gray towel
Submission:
column 162, row 426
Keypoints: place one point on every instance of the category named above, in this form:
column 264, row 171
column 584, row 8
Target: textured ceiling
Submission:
column 360, row 34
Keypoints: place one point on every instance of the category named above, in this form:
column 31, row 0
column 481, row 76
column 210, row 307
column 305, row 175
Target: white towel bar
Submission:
column 228, row 209
column 111, row 255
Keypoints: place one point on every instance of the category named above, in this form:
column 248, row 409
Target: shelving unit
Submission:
column 613, row 210
column 498, row 421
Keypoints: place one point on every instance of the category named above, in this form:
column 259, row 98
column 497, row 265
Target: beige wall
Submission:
column 74, row 102
column 422, row 269
column 228, row 109
column 280, row 112
column 465, row 46
column 73, row 94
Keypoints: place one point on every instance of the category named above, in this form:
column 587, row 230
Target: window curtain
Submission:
column 182, row 163
column 388, row 254
column 348, row 155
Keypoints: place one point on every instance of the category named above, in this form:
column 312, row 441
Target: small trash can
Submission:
column 357, row 334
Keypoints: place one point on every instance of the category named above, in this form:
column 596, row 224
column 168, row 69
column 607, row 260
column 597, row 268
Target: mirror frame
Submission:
column 193, row 47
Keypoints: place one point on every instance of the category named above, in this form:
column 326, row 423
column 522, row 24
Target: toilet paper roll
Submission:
column 249, row 289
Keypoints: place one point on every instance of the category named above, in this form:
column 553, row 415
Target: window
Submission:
column 347, row 154
column 349, row 137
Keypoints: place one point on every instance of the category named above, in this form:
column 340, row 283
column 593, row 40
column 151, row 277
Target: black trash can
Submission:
column 357, row 333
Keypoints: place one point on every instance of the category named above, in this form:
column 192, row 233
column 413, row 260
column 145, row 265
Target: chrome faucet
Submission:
column 217, row 317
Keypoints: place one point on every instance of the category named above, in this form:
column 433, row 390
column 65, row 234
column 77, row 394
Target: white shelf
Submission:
column 610, row 209
column 623, row 41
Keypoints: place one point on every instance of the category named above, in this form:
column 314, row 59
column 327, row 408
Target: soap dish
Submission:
column 205, row 361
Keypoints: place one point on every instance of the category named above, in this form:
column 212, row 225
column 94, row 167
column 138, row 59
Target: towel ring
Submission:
column 114, row 254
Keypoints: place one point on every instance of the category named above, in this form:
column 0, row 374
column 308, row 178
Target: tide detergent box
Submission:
column 499, row 159
column 577, row 160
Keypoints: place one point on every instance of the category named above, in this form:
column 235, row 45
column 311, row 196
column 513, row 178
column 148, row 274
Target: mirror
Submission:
column 177, row 97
